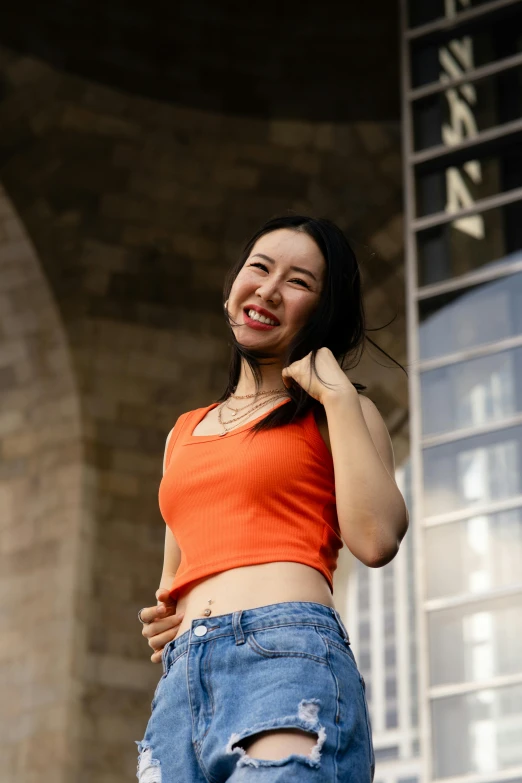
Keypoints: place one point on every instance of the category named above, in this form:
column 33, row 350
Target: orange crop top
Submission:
column 233, row 501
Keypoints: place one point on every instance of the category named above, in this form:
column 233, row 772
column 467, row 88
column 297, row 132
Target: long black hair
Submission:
column 338, row 322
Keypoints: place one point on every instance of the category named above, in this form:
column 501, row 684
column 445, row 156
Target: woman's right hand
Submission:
column 161, row 623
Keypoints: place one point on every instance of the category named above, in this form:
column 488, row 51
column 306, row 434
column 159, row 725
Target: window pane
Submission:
column 365, row 661
column 473, row 393
column 486, row 40
column 385, row 754
column 390, row 656
column 458, row 187
column 424, row 11
column 480, row 641
column 478, row 732
column 457, row 114
column 481, row 241
column 469, row 317
column 508, row 780
column 472, row 471
column 363, row 597
column 364, row 631
column 476, row 554
column 390, row 688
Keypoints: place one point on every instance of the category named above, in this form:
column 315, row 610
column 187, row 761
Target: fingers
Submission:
column 159, row 626
column 159, row 641
column 163, row 595
column 151, row 613
column 161, row 632
column 161, row 623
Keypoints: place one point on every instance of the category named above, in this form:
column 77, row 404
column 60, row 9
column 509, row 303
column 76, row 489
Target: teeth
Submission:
column 257, row 317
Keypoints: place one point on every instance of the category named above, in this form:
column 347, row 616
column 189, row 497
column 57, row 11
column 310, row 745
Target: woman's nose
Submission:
column 269, row 292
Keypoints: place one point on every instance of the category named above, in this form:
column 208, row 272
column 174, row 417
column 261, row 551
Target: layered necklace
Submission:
column 249, row 408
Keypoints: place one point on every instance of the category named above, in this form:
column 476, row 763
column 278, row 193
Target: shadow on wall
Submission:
column 265, row 60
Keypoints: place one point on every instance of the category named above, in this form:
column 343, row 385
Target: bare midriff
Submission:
column 249, row 587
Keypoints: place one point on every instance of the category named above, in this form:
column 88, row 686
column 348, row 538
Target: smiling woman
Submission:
column 260, row 491
column 296, row 295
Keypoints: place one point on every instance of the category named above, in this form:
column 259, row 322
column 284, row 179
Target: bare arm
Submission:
column 162, row 621
column 172, row 552
column 372, row 512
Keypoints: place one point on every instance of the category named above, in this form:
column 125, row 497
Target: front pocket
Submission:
column 334, row 638
column 289, row 641
column 168, row 668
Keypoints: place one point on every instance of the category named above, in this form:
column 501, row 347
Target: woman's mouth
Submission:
column 257, row 321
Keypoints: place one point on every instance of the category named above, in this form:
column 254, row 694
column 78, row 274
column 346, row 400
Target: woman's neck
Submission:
column 271, row 378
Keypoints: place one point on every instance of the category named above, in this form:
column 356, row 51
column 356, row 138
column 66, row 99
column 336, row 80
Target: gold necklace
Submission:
column 247, row 396
column 255, row 394
column 246, row 409
column 251, row 408
column 234, row 411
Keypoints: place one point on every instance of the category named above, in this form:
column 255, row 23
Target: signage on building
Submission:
column 455, row 58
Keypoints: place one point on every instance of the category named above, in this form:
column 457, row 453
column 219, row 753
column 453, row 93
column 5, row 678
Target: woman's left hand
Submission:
column 327, row 368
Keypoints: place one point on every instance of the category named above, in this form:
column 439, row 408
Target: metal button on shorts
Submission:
column 200, row 630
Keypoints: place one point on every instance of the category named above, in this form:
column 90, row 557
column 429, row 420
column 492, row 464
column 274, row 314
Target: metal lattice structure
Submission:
column 462, row 151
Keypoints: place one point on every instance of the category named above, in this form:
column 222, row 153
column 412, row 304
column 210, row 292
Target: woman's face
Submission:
column 269, row 284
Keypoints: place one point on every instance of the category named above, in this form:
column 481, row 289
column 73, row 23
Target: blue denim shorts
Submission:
column 285, row 665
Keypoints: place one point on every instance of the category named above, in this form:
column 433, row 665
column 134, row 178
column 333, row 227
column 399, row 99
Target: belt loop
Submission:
column 341, row 625
column 236, row 625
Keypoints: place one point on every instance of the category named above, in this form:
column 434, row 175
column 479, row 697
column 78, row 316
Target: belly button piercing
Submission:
column 208, row 612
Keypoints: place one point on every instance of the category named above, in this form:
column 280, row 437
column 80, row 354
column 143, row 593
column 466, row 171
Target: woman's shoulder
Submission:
column 179, row 422
column 187, row 416
column 182, row 420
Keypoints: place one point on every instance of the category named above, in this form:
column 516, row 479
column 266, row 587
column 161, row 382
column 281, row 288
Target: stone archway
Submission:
column 44, row 530
column 136, row 208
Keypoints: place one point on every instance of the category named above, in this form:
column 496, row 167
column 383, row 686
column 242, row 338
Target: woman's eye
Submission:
column 294, row 280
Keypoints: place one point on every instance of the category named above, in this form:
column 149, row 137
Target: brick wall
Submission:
column 134, row 209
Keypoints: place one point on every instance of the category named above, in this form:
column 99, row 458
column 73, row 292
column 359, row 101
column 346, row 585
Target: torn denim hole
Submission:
column 149, row 770
column 307, row 719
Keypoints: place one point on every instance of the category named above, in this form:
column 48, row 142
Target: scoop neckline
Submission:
column 236, row 431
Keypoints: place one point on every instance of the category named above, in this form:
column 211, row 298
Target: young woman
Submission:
column 259, row 491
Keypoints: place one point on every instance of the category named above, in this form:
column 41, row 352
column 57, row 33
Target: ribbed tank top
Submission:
column 232, row 500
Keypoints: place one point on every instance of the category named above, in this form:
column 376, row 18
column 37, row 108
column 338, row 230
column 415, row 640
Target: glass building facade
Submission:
column 462, row 121
column 381, row 615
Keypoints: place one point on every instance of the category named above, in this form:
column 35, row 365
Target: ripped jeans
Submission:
column 285, row 665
